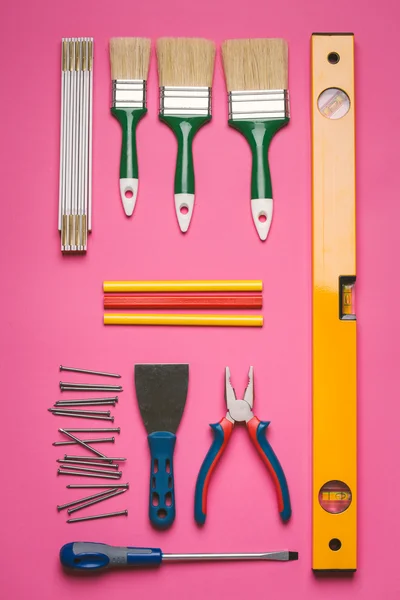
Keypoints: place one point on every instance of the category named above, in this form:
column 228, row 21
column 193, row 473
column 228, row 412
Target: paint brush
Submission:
column 256, row 72
column 185, row 68
column 130, row 58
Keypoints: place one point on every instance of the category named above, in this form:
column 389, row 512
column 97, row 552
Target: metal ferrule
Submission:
column 188, row 101
column 258, row 104
column 129, row 93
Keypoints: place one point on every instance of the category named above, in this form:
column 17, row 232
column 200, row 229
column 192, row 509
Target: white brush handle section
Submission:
column 129, row 191
column 184, row 204
column 262, row 210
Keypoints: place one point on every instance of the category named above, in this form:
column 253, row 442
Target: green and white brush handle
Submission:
column 258, row 116
column 129, row 107
column 185, row 111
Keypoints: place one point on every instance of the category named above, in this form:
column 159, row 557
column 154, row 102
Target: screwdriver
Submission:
column 91, row 556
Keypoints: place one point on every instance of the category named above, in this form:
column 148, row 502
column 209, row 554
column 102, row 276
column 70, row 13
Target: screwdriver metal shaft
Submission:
column 281, row 555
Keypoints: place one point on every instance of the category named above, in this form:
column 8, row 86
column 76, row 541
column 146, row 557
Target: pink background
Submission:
column 52, row 305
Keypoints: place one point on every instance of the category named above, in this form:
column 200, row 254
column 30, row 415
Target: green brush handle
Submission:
column 259, row 135
column 184, row 128
column 128, row 118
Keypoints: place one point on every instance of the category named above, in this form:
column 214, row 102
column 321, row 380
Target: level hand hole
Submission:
column 153, row 482
column 128, row 193
column 335, row 544
column 170, row 483
column 155, row 499
column 168, row 499
column 184, row 209
column 168, row 465
column 262, row 217
column 155, row 466
column 162, row 513
column 333, row 58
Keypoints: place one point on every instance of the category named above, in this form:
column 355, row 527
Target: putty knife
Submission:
column 161, row 391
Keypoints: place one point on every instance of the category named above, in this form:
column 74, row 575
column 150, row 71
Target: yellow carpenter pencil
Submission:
column 184, row 286
column 185, row 319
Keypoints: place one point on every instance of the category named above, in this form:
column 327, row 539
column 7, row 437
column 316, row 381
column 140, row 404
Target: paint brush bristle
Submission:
column 256, row 64
column 185, row 62
column 130, row 58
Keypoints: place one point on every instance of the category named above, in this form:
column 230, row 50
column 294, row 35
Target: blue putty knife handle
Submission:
column 162, row 493
column 88, row 556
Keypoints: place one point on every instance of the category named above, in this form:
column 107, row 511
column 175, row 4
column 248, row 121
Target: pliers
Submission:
column 239, row 411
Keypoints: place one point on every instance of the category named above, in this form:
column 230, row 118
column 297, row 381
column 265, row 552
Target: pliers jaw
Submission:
column 239, row 410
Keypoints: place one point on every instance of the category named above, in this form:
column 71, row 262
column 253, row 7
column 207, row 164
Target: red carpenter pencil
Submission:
column 183, row 300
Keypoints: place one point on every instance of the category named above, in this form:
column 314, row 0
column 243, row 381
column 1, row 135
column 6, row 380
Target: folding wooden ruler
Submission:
column 334, row 319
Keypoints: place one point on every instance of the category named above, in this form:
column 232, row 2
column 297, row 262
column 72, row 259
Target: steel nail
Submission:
column 103, row 516
column 105, row 459
column 81, row 500
column 95, row 430
column 77, row 474
column 61, row 413
column 104, row 399
column 98, row 413
column 70, row 435
column 86, row 390
column 81, row 486
column 95, row 386
column 84, row 403
column 111, row 494
column 75, row 467
column 92, row 441
column 88, row 463
column 89, row 372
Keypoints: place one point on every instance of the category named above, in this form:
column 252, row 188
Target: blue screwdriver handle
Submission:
column 88, row 556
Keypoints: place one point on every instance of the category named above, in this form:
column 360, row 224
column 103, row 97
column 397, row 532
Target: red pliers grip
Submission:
column 222, row 432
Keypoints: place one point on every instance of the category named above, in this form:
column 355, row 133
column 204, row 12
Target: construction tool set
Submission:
column 256, row 74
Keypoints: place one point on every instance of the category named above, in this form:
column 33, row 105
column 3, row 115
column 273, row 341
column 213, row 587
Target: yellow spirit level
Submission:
column 334, row 318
